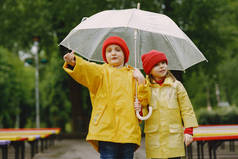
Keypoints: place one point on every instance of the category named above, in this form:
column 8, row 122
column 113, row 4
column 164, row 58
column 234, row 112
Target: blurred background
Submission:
column 36, row 92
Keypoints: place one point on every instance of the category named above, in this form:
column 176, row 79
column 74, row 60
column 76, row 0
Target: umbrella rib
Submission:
column 130, row 18
column 173, row 51
column 135, row 34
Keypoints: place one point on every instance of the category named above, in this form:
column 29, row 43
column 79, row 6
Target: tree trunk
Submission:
column 217, row 93
column 79, row 120
column 209, row 106
column 228, row 97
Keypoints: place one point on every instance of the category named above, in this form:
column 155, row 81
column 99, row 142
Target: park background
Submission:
column 26, row 24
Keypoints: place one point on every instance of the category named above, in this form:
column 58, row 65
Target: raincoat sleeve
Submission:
column 144, row 93
column 86, row 73
column 186, row 107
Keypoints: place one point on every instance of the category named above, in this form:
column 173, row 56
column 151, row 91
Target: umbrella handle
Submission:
column 145, row 117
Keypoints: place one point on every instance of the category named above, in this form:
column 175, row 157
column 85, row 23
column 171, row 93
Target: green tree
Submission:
column 201, row 21
column 24, row 20
column 16, row 83
column 227, row 68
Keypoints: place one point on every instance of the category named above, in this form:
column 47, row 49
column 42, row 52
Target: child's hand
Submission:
column 137, row 105
column 70, row 58
column 188, row 139
column 139, row 76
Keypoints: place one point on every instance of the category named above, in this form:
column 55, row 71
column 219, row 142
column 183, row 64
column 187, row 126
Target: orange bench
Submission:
column 32, row 135
column 214, row 136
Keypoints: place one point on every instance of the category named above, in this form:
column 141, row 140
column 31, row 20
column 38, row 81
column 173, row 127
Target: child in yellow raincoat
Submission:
column 114, row 129
column 172, row 109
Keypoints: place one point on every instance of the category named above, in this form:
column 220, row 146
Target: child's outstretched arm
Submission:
column 86, row 73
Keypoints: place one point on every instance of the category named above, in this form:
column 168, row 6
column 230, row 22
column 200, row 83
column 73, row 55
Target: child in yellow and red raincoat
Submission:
column 172, row 109
column 114, row 129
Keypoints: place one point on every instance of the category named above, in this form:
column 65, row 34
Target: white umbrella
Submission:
column 155, row 31
column 142, row 31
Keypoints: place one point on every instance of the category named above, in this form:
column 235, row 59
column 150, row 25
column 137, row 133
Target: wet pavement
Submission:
column 80, row 149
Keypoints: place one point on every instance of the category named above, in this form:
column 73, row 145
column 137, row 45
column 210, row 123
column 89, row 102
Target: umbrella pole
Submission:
column 136, row 99
column 135, row 37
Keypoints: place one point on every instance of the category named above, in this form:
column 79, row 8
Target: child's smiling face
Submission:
column 114, row 55
column 159, row 70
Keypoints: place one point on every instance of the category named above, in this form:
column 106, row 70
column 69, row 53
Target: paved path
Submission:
column 78, row 149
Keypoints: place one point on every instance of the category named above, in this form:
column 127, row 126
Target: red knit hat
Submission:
column 151, row 58
column 118, row 41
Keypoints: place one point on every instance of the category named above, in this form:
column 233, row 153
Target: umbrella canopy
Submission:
column 154, row 31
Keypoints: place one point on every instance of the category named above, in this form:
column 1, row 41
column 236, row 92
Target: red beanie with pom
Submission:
column 152, row 58
column 117, row 41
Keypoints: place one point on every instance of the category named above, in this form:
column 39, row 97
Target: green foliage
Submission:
column 200, row 21
column 227, row 115
column 196, row 89
column 211, row 26
column 228, row 67
column 16, row 84
column 228, row 75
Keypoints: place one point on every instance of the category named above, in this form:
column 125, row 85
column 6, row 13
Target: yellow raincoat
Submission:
column 112, row 93
column 172, row 110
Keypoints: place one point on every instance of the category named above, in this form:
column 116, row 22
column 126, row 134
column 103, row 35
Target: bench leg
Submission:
column 42, row 145
column 4, row 151
column 17, row 146
column 32, row 143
